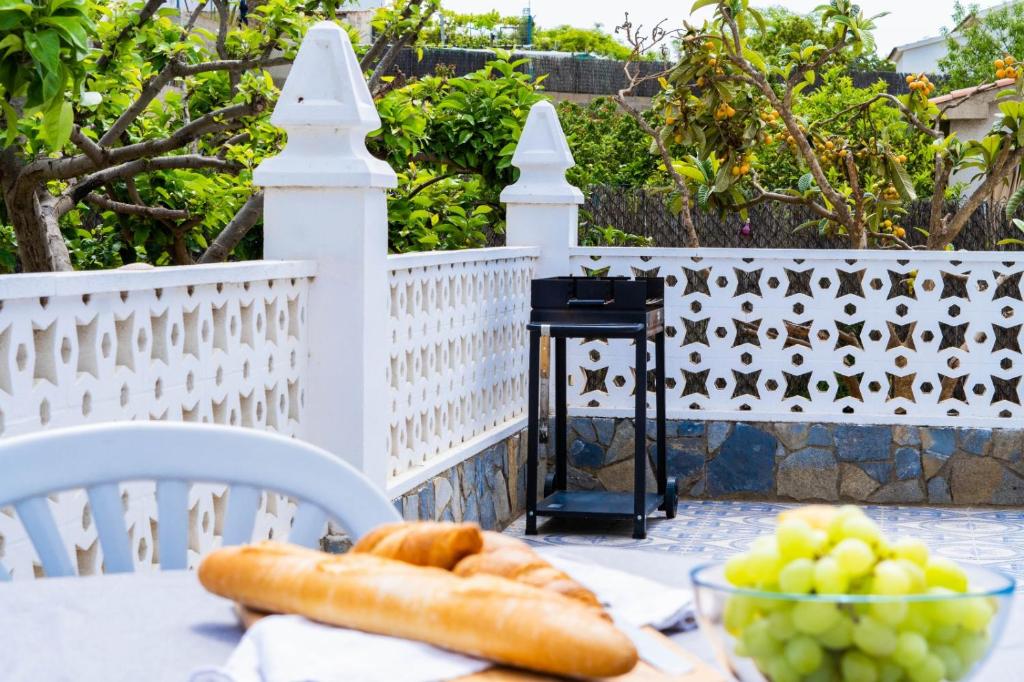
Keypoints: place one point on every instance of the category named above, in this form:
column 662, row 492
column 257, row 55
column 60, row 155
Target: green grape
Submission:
column 971, row 648
column 950, row 660
column 826, row 673
column 782, row 625
column 758, row 640
column 911, row 647
column 862, row 528
column 795, row 539
column 737, row 571
column 814, row 618
column 764, row 564
column 888, row 671
column 931, row 669
column 839, row 636
column 843, row 514
column 821, row 541
column 797, row 577
column 918, row 618
column 942, row 572
column 874, row 637
column 780, row 670
column 976, row 614
column 854, row 556
column 857, row 667
column 944, row 634
column 947, row 611
column 739, row 648
column 891, row 613
column 804, row 654
column 890, row 578
column 739, row 612
column 915, row 574
column 829, row 578
column 911, row 549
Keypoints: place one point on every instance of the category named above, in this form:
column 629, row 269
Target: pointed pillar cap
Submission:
column 542, row 157
column 327, row 111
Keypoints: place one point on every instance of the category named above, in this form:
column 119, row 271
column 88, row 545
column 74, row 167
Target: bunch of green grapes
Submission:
column 844, row 552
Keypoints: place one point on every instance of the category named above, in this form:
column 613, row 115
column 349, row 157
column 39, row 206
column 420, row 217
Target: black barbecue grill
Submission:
column 596, row 307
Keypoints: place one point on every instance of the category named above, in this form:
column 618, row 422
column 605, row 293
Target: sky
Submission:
column 908, row 20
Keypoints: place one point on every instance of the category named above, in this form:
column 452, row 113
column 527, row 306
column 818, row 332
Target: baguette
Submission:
column 483, row 615
column 424, row 543
column 513, row 559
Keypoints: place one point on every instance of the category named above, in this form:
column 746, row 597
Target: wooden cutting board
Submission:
column 701, row 671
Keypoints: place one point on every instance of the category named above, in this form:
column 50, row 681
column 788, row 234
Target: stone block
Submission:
column 744, row 464
column 821, row 436
column 973, row 480
column 580, row 480
column 975, row 441
column 854, row 483
column 938, row 491
column 584, row 428
column 619, row 476
column 455, row 481
column 899, row 492
column 938, row 442
column 688, row 428
column 859, row 443
column 586, row 455
column 793, row 434
column 717, row 433
column 604, row 428
column 880, row 471
column 1007, row 445
column 623, row 442
column 410, row 507
column 426, row 502
column 908, row 463
column 683, row 461
column 932, row 463
column 903, row 434
column 442, row 495
column 488, row 515
column 499, row 495
column 1010, row 490
column 809, row 474
column 471, row 509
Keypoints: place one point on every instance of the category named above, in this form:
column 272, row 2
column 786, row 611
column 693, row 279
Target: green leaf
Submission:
column 702, row 3
column 12, row 121
column 57, row 122
column 900, row 178
column 1013, row 203
column 805, row 183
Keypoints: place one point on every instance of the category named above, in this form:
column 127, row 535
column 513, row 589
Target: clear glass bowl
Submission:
column 751, row 631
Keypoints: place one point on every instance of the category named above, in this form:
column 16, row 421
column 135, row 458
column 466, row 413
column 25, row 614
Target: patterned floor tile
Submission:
column 717, row 530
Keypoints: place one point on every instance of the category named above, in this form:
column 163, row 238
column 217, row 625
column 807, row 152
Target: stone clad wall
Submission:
column 799, row 461
column 489, row 488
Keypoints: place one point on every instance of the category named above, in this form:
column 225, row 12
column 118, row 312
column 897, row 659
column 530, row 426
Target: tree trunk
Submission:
column 41, row 246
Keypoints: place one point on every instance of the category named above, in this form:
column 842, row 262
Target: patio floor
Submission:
column 716, row 530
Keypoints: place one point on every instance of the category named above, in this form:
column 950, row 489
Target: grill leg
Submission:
column 659, row 378
column 640, row 442
column 561, row 437
column 533, row 434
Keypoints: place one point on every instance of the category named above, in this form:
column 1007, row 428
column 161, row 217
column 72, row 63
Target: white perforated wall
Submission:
column 457, row 345
column 223, row 344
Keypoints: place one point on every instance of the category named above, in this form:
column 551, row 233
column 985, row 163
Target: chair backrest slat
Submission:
column 243, row 501
column 172, row 531
column 176, row 455
column 35, row 515
column 308, row 525
column 108, row 515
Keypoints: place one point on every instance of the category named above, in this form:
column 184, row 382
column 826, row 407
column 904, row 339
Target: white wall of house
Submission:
column 920, row 57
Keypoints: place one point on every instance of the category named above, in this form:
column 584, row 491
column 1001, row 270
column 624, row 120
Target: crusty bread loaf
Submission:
column 424, row 543
column 483, row 615
column 513, row 559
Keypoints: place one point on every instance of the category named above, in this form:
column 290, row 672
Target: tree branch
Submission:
column 1005, row 162
column 158, row 212
column 233, row 232
column 80, row 190
column 145, row 14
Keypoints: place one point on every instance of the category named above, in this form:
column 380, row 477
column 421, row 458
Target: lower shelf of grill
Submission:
column 594, row 504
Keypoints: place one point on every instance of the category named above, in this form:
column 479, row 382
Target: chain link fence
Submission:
column 772, row 226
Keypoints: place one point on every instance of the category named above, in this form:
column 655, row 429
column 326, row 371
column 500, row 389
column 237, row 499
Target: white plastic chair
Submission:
column 175, row 455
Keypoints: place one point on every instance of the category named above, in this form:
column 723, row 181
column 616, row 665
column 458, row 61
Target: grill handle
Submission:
column 589, row 302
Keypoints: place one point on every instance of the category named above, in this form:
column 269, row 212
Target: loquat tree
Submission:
column 725, row 110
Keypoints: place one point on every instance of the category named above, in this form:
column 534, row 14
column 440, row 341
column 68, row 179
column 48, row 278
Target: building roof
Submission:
column 971, row 91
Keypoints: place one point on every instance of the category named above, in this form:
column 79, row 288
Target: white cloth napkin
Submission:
column 293, row 649
column 634, row 599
